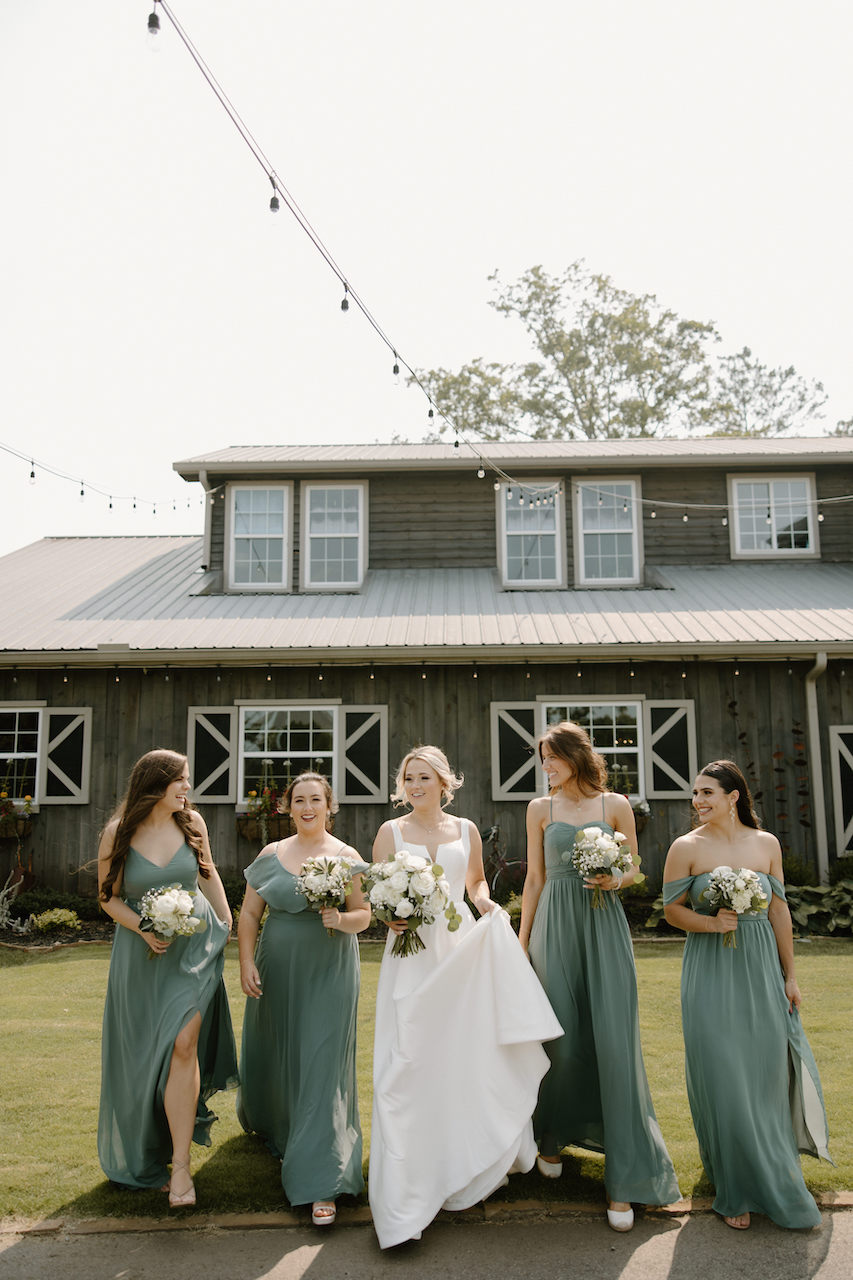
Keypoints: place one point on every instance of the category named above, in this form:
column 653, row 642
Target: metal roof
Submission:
column 136, row 600
column 263, row 459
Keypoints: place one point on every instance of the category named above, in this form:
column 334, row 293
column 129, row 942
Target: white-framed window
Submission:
column 45, row 753
column 277, row 741
column 615, row 729
column 531, row 534
column 772, row 516
column 258, row 537
column 608, row 531
column 20, row 731
column 649, row 745
column 333, row 541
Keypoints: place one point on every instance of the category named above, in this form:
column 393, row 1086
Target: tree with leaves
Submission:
column 613, row 365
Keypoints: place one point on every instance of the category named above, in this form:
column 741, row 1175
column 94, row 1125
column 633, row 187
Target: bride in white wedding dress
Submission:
column 458, row 1054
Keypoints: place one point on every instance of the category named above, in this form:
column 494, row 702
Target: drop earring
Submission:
column 732, row 811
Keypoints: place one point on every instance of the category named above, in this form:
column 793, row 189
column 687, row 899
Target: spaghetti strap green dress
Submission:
column 297, row 1067
column 596, row 1094
column 148, row 1002
column 752, row 1081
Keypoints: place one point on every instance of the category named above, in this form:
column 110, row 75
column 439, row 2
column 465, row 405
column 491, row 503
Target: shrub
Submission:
column 822, row 909
column 40, row 899
column 55, row 920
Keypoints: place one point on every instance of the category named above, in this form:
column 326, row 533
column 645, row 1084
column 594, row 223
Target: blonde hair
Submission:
column 437, row 760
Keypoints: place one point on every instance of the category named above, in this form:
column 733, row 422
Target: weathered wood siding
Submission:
column 757, row 717
column 447, row 519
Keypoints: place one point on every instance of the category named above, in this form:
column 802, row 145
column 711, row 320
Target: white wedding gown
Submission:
column 457, row 1063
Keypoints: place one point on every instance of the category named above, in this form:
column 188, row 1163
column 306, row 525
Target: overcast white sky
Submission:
column 153, row 308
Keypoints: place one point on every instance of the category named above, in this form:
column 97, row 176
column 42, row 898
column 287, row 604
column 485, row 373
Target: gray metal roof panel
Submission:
column 586, row 454
column 139, row 593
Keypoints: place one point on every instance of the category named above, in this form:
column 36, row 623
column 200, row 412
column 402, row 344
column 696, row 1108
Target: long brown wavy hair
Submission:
column 730, row 778
column 147, row 784
column 571, row 743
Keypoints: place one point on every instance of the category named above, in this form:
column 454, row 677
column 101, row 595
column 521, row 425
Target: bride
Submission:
column 458, row 1056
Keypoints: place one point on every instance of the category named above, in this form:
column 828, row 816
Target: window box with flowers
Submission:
column 263, row 819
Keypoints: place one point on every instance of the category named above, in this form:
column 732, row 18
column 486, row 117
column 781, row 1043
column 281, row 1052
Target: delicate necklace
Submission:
column 424, row 827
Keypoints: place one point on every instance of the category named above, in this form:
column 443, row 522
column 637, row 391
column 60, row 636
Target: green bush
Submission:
column 55, row 920
column 40, row 899
column 822, row 909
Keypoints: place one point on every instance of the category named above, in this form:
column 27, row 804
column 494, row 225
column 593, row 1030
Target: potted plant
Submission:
column 263, row 818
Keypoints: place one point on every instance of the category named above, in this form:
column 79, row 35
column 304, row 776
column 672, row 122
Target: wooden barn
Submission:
column 684, row 600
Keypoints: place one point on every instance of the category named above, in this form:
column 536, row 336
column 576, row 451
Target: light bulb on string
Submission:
column 481, row 472
column 154, row 30
column 820, row 517
column 430, row 412
column 345, row 298
column 275, row 204
column 32, row 473
column 396, row 370
column 82, row 491
column 725, row 522
column 111, row 502
column 684, row 518
column 654, row 514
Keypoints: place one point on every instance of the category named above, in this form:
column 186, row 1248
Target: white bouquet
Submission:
column 325, row 881
column 168, row 913
column 735, row 889
column 599, row 853
column 409, row 887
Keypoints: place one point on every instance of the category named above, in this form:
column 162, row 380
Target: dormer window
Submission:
column 608, row 531
column 259, row 537
column 333, row 550
column 531, row 534
column 772, row 516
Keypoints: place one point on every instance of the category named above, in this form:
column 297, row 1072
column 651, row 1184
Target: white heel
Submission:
column 620, row 1219
column 549, row 1168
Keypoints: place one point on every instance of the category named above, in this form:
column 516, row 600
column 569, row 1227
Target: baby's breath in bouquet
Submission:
column 325, row 881
column 168, row 913
column 599, row 853
column 409, row 887
column 735, row 889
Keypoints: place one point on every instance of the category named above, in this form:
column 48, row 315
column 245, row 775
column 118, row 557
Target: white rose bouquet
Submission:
column 325, row 881
column 599, row 853
column 168, row 913
column 409, row 887
column 735, row 889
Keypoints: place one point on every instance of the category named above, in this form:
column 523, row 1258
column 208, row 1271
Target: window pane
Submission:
column 531, row 537
column 291, row 740
column 608, row 521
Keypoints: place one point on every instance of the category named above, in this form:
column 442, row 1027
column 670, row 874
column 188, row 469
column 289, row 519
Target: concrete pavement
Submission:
column 524, row 1244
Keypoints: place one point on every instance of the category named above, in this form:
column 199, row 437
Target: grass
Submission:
column 50, row 1011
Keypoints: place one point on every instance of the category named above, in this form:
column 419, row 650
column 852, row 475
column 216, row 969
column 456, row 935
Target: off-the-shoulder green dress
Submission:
column 148, row 1002
column 596, row 1094
column 297, row 1067
column 752, row 1081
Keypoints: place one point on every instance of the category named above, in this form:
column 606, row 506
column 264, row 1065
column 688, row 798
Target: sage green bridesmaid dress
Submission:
column 148, row 1002
column 596, row 1094
column 752, row 1081
column 297, row 1066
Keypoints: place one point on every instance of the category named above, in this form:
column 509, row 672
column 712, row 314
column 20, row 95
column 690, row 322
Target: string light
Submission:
column 481, row 472
column 345, row 298
column 319, row 671
column 32, row 473
column 396, row 369
column 275, row 205
column 154, row 29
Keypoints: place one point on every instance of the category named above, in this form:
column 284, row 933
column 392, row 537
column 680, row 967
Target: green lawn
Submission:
column 50, row 1012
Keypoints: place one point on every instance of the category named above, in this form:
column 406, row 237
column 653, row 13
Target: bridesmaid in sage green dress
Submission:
column 752, row 1082
column 167, row 1040
column 596, row 1094
column 298, row 1082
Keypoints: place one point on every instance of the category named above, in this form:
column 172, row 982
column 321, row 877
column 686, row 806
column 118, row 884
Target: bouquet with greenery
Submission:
column 409, row 887
column 599, row 853
column 168, row 913
column 325, row 881
column 734, row 889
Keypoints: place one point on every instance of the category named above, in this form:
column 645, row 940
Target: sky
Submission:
column 154, row 309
